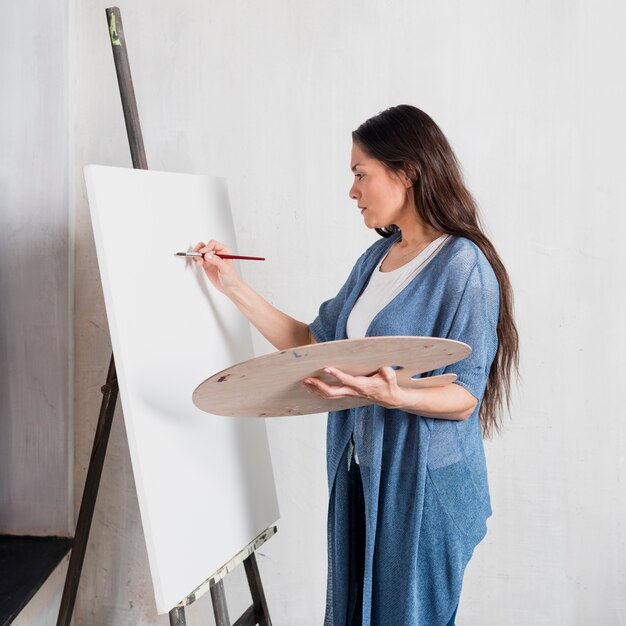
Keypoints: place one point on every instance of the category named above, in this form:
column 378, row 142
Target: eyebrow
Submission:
column 355, row 166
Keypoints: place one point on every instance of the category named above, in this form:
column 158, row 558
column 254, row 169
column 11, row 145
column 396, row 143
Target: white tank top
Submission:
column 384, row 286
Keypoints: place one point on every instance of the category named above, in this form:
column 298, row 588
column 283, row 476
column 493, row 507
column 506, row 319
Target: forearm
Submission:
column 451, row 402
column 281, row 330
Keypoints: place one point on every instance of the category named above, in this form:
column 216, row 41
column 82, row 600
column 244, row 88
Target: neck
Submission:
column 416, row 234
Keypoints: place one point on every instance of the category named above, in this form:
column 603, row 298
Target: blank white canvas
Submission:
column 204, row 482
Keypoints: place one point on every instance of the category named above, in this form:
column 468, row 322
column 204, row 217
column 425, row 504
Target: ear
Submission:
column 408, row 175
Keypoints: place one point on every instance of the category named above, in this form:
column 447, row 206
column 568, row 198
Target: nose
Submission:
column 352, row 192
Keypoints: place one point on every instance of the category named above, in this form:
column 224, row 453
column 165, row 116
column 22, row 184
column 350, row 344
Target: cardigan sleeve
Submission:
column 475, row 323
column 324, row 326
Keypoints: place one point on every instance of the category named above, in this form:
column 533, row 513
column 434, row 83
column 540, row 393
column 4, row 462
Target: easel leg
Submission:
column 110, row 388
column 90, row 493
column 261, row 612
column 220, row 610
column 177, row 616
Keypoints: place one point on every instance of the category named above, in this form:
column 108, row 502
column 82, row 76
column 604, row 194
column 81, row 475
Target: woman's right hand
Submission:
column 278, row 328
column 221, row 272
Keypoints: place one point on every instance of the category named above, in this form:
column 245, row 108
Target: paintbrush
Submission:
column 221, row 256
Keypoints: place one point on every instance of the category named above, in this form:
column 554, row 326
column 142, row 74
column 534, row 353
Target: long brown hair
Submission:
column 404, row 138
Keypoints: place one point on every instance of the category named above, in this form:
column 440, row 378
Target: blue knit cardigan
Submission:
column 424, row 479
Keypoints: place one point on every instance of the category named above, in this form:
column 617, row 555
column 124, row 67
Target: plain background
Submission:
column 531, row 95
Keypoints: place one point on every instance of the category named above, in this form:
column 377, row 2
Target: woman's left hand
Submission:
column 379, row 388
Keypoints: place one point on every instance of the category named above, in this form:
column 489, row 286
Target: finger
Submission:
column 346, row 379
column 198, row 246
column 211, row 259
column 388, row 373
column 313, row 389
column 216, row 247
column 207, row 247
column 330, row 391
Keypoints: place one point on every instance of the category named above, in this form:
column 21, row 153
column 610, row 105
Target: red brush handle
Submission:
column 235, row 256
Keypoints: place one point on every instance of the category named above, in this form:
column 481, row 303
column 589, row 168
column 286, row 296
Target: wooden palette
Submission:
column 271, row 385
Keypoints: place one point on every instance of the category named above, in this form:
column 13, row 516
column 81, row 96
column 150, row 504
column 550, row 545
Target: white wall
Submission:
column 532, row 97
column 35, row 289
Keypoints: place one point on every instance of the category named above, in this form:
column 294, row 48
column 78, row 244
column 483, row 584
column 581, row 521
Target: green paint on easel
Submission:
column 115, row 40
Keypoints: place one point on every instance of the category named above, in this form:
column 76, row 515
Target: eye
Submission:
column 358, row 175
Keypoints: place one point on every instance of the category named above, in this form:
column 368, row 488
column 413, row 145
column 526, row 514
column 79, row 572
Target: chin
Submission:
column 369, row 222
column 374, row 221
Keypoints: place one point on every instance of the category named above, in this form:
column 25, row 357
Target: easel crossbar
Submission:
column 228, row 567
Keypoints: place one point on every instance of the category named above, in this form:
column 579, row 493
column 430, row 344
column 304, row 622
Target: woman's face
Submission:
column 380, row 193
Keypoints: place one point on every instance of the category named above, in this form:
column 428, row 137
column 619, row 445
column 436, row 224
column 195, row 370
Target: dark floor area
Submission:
column 25, row 564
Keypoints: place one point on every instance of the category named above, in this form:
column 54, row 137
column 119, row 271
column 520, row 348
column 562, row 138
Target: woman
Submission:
column 407, row 479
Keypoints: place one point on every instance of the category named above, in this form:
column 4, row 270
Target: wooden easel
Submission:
column 258, row 612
